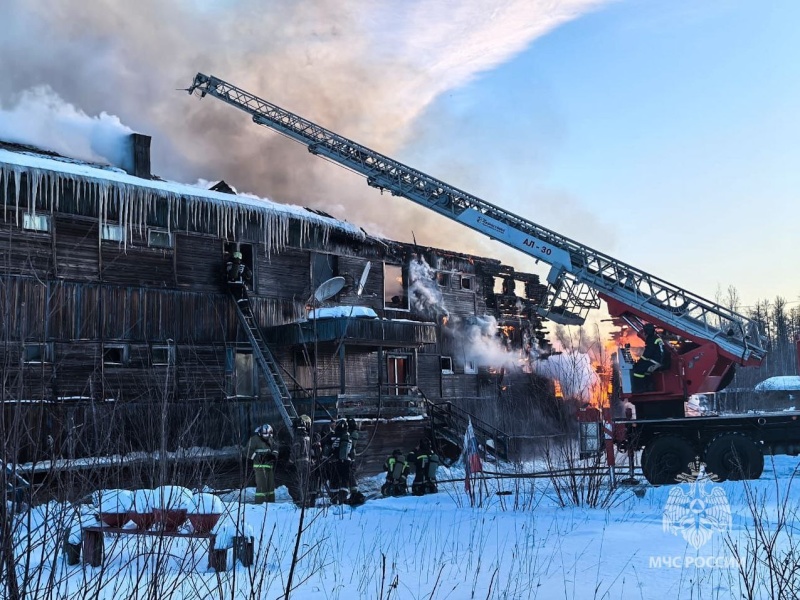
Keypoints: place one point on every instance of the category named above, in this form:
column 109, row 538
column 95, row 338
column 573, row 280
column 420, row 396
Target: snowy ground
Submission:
column 519, row 545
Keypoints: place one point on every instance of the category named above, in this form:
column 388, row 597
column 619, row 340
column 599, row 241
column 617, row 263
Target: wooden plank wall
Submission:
column 77, row 248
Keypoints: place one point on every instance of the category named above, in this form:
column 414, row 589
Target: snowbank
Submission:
column 782, row 383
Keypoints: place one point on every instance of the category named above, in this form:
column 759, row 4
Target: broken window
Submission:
column 466, row 283
column 115, row 355
column 446, row 364
column 395, row 287
column 323, row 267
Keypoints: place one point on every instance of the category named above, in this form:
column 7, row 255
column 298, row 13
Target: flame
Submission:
column 600, row 391
column 558, row 392
column 445, row 319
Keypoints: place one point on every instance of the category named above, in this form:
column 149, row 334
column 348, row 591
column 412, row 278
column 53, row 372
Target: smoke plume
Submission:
column 364, row 68
column 424, row 294
column 39, row 112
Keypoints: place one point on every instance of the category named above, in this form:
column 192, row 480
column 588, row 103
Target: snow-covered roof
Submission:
column 781, row 383
column 135, row 196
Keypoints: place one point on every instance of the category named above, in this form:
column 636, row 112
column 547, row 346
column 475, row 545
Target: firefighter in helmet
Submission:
column 238, row 276
column 397, row 470
column 340, row 453
column 651, row 360
column 262, row 450
column 302, row 485
column 426, row 462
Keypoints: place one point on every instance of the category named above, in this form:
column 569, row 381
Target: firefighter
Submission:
column 238, row 276
column 397, row 470
column 262, row 450
column 426, row 462
column 301, row 486
column 356, row 497
column 338, row 453
column 651, row 360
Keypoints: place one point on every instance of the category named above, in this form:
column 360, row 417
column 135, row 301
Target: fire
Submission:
column 600, row 390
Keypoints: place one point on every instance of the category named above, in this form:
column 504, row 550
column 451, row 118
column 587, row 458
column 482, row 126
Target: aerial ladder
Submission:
column 707, row 339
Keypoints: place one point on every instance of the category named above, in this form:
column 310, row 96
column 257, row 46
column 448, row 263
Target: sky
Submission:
column 661, row 132
column 698, row 540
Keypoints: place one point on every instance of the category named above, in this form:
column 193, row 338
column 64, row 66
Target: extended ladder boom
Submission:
column 579, row 275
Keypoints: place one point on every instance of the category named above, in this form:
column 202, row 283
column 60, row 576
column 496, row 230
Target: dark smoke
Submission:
column 366, row 69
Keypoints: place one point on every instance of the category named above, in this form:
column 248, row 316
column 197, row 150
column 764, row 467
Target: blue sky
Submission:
column 662, row 133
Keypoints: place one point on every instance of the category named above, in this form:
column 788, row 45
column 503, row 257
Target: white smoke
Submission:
column 367, row 69
column 573, row 366
column 424, row 294
column 40, row 117
column 479, row 340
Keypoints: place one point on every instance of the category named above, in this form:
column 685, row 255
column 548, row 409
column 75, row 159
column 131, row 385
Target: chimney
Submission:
column 140, row 156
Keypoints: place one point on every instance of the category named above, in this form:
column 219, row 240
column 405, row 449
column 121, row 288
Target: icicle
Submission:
column 17, row 184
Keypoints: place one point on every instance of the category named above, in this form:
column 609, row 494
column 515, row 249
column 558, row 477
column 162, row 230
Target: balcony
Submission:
column 354, row 330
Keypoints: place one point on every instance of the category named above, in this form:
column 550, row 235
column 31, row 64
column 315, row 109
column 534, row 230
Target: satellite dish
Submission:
column 328, row 288
column 363, row 281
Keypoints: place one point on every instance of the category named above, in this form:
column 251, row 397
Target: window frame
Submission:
column 170, row 239
column 124, row 355
column 404, row 288
column 443, row 361
column 44, row 355
column 34, row 221
column 106, row 230
column 170, row 356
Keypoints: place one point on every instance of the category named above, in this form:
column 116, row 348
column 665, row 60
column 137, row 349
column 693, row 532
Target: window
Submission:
column 443, row 279
column 35, row 353
column 244, row 384
column 398, row 373
column 470, row 367
column 395, row 287
column 33, row 222
column 447, row 365
column 158, row 238
column 114, row 355
column 323, row 267
column 466, row 283
column 162, row 355
column 112, row 232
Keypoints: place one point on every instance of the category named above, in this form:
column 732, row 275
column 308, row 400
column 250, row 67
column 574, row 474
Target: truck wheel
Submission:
column 734, row 456
column 666, row 457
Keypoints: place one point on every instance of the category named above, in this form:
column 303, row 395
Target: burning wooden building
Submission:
column 119, row 335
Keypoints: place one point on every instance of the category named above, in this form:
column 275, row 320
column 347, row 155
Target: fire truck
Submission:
column 705, row 341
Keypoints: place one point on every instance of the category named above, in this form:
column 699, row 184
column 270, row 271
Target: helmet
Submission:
column 341, row 426
column 649, row 329
column 264, row 430
column 425, row 445
column 352, row 425
column 237, row 254
column 397, row 452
